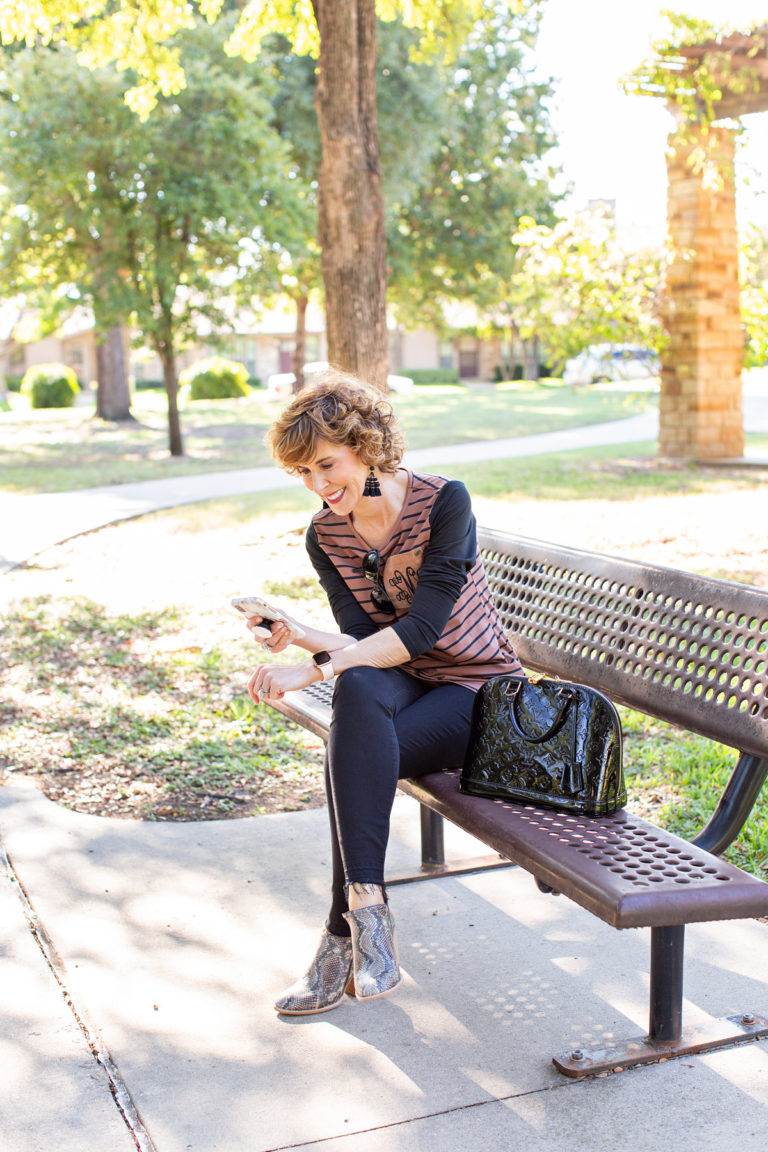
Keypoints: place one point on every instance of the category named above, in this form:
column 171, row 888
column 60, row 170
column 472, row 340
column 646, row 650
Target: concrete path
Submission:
column 175, row 938
column 30, row 524
column 33, row 523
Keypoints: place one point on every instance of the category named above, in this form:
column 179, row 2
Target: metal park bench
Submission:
column 679, row 647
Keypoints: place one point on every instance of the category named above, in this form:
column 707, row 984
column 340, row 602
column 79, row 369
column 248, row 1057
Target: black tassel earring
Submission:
column 372, row 486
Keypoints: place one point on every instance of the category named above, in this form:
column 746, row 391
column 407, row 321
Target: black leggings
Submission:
column 385, row 725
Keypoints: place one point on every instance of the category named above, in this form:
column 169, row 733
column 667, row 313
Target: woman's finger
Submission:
column 255, row 685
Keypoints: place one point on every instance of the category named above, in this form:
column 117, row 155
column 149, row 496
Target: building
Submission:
column 263, row 341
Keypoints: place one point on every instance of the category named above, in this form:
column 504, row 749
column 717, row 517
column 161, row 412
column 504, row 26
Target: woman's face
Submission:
column 336, row 474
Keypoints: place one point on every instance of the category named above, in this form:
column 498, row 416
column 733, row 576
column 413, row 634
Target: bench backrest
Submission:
column 681, row 647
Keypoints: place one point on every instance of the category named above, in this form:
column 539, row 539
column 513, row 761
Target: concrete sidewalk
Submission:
column 173, row 939
column 33, row 523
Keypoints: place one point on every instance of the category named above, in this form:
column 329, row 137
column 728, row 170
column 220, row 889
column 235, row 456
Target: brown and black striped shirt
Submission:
column 434, row 577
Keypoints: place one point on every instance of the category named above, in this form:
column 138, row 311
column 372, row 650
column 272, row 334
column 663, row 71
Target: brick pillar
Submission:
column 700, row 404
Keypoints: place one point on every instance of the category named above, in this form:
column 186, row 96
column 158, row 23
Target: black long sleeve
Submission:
column 350, row 617
column 448, row 556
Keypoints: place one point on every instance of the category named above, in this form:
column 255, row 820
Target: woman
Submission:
column 396, row 553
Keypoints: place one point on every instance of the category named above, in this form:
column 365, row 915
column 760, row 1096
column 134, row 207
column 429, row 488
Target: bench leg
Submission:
column 666, row 1037
column 433, row 854
column 432, row 842
column 666, row 1015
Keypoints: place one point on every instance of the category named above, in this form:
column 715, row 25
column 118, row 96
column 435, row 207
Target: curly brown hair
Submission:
column 338, row 407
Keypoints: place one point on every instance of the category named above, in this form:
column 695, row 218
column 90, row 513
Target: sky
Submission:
column 612, row 145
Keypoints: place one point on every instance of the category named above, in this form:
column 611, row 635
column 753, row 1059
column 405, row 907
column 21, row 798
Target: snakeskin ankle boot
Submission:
column 323, row 985
column 374, row 950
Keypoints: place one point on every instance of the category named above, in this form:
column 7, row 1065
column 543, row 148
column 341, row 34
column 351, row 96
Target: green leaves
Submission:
column 754, row 294
column 697, row 66
column 452, row 238
column 574, row 285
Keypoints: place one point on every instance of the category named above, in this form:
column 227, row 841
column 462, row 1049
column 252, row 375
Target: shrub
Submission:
column 432, row 375
column 13, row 382
column 50, row 386
column 215, row 379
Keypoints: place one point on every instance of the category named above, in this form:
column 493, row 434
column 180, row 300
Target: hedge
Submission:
column 50, row 386
column 432, row 375
column 215, row 378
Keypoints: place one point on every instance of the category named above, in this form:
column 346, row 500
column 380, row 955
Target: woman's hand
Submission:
column 283, row 633
column 272, row 681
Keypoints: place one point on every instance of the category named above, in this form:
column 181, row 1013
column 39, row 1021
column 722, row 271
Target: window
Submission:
column 243, row 348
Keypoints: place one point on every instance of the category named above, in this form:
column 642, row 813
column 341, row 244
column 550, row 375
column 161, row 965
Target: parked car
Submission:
column 281, row 383
column 611, row 362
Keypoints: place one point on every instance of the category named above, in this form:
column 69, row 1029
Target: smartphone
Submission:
column 255, row 606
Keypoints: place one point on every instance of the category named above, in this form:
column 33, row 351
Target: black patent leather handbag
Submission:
column 545, row 742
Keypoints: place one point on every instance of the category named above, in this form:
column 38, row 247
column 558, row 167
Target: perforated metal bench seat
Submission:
column 621, row 868
column 679, row 647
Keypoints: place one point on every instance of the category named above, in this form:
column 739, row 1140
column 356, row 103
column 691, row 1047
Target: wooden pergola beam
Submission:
column 744, row 52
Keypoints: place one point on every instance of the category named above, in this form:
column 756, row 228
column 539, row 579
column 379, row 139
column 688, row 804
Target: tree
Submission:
column 411, row 101
column 350, row 200
column 754, row 295
column 574, row 286
column 343, row 33
column 54, row 253
column 150, row 220
column 453, row 241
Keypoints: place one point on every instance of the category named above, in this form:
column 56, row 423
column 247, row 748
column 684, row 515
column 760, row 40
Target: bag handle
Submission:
column 513, row 692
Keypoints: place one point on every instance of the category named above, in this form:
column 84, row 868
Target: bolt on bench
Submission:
column 682, row 648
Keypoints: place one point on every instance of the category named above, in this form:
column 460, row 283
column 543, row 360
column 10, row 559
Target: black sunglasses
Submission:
column 372, row 567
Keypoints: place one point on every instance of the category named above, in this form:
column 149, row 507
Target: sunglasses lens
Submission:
column 372, row 571
column 371, row 565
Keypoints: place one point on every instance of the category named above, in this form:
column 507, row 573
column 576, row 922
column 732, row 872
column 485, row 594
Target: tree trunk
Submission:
column 531, row 366
column 168, row 359
column 350, row 205
column 113, row 397
column 300, row 346
column 514, row 332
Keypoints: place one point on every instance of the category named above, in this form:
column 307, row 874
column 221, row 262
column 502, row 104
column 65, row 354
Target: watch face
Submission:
column 321, row 658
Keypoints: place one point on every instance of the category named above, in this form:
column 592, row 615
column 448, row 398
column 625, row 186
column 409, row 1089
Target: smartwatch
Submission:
column 322, row 660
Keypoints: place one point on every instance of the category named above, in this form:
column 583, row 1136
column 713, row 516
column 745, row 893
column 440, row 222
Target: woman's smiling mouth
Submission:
column 333, row 498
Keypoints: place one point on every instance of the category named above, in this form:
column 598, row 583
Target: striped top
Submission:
column 434, row 577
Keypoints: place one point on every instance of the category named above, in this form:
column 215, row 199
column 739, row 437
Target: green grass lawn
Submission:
column 674, row 779
column 624, row 472
column 612, row 472
column 64, row 449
